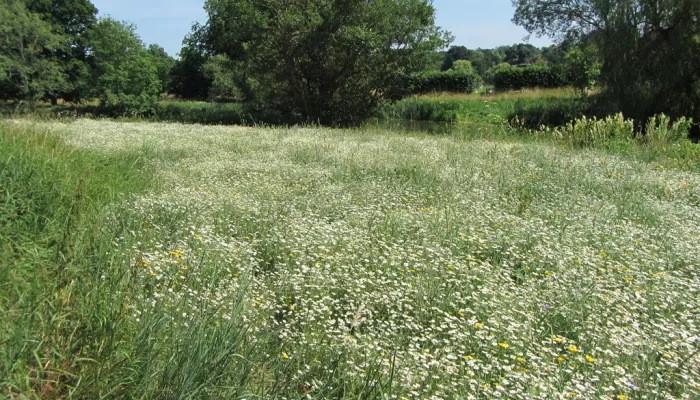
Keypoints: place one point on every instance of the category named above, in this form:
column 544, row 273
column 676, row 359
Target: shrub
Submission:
column 660, row 130
column 514, row 78
column 127, row 105
column 586, row 132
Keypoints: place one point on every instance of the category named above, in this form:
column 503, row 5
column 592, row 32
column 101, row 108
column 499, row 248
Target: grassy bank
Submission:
column 189, row 112
column 491, row 109
column 275, row 263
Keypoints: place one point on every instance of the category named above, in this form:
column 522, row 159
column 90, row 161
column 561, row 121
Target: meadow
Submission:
column 537, row 107
column 160, row 260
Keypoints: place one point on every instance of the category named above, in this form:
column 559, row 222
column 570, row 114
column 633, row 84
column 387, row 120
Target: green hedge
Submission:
column 406, row 85
column 515, row 78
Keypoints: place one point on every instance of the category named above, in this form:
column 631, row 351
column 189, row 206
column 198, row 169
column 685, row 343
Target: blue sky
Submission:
column 474, row 23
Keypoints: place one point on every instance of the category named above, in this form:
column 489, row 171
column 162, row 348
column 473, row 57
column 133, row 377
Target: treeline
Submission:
column 526, row 66
column 335, row 61
column 59, row 49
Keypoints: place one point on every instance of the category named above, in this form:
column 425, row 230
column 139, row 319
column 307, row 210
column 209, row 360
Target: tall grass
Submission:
column 494, row 109
column 145, row 260
column 65, row 325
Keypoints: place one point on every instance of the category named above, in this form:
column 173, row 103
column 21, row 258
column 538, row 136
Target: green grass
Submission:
column 150, row 260
column 491, row 109
column 191, row 112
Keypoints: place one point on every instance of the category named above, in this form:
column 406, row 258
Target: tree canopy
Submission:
column 124, row 74
column 328, row 61
column 26, row 73
column 649, row 48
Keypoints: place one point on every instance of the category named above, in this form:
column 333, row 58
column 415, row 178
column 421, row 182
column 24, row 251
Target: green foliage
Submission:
column 435, row 81
column 189, row 80
column 490, row 74
column 224, row 77
column 522, row 54
column 71, row 19
column 585, row 132
column 203, row 113
column 494, row 110
column 542, row 76
column 583, row 67
column 330, row 62
column 659, row 130
column 164, row 63
column 648, row 48
column 550, row 112
column 124, row 75
column 26, row 73
column 613, row 130
column 463, row 67
column 454, row 53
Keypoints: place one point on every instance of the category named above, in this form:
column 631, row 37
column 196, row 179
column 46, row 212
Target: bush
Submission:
column 542, row 76
column 589, row 132
column 127, row 105
column 660, row 130
column 586, row 132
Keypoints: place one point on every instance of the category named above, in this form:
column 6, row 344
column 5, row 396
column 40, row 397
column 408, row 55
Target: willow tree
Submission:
column 649, row 48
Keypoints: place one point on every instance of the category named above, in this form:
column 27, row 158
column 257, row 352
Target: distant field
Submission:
column 146, row 260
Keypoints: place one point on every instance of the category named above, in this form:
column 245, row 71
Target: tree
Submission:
column 71, row 19
column 189, row 79
column 454, row 53
column 124, row 75
column 223, row 75
column 462, row 67
column 491, row 72
column 25, row 71
column 648, row 48
column 327, row 61
column 522, row 54
column 164, row 65
column 554, row 54
column 583, row 66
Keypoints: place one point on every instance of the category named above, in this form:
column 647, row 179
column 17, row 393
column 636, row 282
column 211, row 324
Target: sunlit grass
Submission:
column 220, row 262
column 535, row 93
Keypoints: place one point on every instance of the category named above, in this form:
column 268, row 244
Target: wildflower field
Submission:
column 239, row 262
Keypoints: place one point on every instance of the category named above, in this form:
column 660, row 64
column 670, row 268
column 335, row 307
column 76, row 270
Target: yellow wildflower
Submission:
column 479, row 325
column 621, row 397
column 590, row 359
column 573, row 349
column 177, row 254
column 285, row 356
column 521, row 359
column 503, row 345
column 559, row 340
